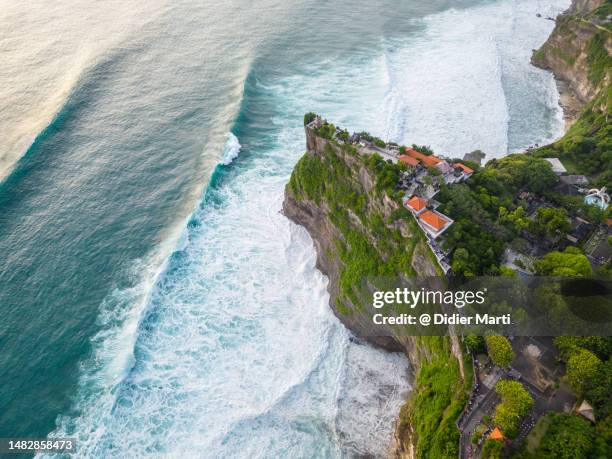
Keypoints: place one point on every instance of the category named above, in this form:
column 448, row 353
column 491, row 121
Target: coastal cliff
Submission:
column 347, row 201
column 577, row 52
column 348, row 204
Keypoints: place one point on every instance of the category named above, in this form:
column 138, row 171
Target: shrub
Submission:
column 475, row 344
column 309, row 117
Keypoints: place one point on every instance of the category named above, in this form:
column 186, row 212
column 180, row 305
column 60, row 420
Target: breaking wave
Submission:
column 230, row 347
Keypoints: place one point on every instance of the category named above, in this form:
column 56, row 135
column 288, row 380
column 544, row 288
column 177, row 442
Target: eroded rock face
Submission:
column 316, row 218
column 586, row 5
column 566, row 54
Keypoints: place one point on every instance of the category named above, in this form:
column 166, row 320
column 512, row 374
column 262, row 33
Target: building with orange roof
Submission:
column 412, row 152
column 409, row 160
column 416, row 205
column 466, row 170
column 496, row 434
column 426, row 160
column 434, row 223
column 431, row 161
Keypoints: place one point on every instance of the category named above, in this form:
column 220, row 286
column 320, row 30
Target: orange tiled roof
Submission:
column 496, row 434
column 465, row 169
column 409, row 160
column 431, row 161
column 415, row 154
column 417, row 203
column 412, row 152
column 434, row 220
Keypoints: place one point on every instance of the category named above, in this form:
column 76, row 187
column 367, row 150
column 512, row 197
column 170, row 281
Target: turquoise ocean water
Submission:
column 153, row 299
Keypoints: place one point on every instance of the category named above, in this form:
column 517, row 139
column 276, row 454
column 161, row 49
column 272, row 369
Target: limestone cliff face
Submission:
column 583, row 6
column 317, row 219
column 336, row 194
column 572, row 53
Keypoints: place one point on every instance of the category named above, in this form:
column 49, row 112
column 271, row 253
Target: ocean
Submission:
column 154, row 300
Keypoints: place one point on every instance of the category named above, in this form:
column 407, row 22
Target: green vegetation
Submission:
column 567, row 58
column 582, row 367
column 487, row 216
column 586, row 148
column 371, row 138
column 425, row 149
column 500, row 350
column 369, row 245
column 515, row 403
column 603, row 11
column 514, row 395
column 327, row 131
column 550, row 221
column 569, row 263
column 565, row 436
column 598, row 58
column 601, row 346
column 309, row 117
column 492, row 449
column 589, row 371
column 437, row 402
column 475, row 344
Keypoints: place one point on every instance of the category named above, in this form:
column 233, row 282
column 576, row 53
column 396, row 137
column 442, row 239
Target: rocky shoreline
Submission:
column 566, row 53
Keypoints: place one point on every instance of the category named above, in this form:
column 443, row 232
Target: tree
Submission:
column 517, row 217
column 570, row 263
column 514, row 396
column 500, row 350
column 549, row 221
column 492, row 449
column 599, row 392
column 538, row 175
column 581, row 370
column 523, row 171
column 567, row 345
column 515, row 403
column 475, row 343
column 507, row 420
column 601, row 346
column 461, row 262
column 567, row 437
column 425, row 149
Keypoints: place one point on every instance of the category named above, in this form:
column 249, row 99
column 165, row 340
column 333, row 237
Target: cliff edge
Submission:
column 347, row 202
column 578, row 53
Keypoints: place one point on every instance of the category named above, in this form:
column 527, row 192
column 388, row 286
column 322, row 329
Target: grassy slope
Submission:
column 437, row 402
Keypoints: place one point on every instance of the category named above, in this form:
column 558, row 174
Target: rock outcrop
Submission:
column 359, row 228
column 572, row 52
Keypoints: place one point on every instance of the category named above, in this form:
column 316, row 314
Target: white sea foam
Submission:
column 234, row 351
column 466, row 82
column 231, row 150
